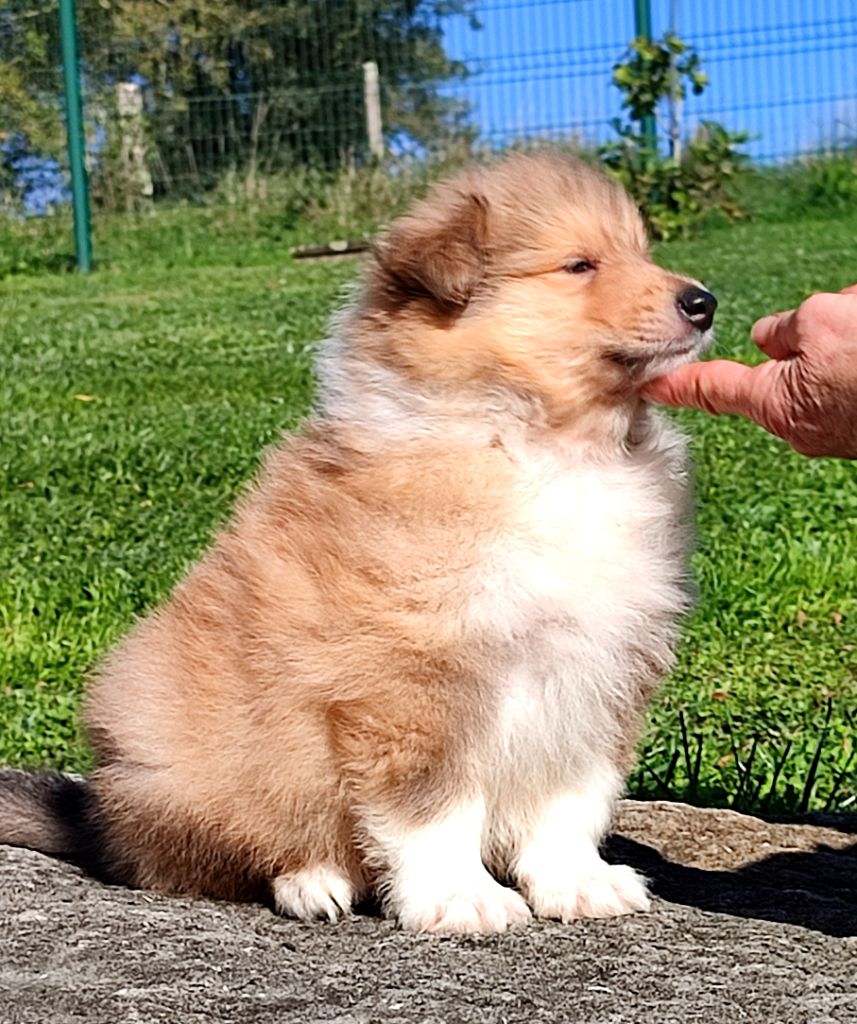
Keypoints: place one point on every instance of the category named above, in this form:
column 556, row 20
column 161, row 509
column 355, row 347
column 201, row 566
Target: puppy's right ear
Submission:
column 437, row 252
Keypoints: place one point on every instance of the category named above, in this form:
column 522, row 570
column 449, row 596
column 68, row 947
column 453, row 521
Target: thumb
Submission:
column 776, row 335
column 718, row 386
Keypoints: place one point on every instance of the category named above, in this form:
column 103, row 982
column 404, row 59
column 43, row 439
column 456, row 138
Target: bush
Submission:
column 676, row 195
column 822, row 185
column 831, row 181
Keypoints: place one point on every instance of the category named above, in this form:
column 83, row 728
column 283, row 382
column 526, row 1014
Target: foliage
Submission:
column 240, row 87
column 253, row 80
column 30, row 111
column 825, row 183
column 675, row 195
column 831, row 181
column 654, row 69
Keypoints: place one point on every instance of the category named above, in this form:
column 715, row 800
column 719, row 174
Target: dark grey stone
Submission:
column 737, row 938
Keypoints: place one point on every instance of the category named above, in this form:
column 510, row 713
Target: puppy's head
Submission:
column 534, row 275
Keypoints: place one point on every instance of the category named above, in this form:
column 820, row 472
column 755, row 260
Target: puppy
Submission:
column 415, row 662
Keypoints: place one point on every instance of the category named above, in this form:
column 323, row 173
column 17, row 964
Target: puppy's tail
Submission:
column 55, row 814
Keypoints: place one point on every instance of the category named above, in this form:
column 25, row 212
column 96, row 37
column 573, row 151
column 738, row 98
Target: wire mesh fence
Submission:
column 786, row 71
column 216, row 98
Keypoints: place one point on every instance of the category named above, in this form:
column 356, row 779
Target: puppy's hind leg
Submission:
column 204, row 837
column 322, row 891
column 324, row 874
column 558, row 865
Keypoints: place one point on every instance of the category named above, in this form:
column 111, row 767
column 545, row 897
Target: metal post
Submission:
column 74, row 127
column 372, row 97
column 643, row 28
column 675, row 91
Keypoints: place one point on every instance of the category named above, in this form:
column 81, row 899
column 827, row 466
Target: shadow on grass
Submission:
column 816, row 890
column 34, row 264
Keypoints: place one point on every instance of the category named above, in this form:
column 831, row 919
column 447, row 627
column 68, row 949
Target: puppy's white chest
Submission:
column 585, row 576
column 581, row 550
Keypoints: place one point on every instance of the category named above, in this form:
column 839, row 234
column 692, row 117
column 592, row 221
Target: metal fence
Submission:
column 190, row 100
column 784, row 70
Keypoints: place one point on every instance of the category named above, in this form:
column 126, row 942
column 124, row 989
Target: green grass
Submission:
column 774, row 638
column 134, row 405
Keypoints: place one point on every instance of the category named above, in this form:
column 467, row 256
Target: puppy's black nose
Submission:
column 697, row 305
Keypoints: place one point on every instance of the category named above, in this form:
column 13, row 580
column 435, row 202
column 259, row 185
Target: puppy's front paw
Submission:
column 482, row 906
column 606, row 890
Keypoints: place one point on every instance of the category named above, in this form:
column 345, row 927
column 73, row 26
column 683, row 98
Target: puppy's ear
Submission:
column 439, row 252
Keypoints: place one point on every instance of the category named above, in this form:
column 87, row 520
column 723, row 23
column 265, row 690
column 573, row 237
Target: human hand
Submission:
column 806, row 393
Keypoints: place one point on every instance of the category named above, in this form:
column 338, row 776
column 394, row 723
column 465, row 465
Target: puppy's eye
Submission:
column 580, row 267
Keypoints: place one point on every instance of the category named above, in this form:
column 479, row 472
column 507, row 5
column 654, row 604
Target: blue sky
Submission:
column 782, row 69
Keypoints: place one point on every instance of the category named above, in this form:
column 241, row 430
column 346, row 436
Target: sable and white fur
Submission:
column 416, row 660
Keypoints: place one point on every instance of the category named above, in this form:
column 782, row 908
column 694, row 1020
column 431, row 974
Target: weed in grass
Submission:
column 762, row 772
column 815, row 185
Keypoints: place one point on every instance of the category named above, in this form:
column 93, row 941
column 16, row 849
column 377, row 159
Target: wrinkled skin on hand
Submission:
column 806, row 393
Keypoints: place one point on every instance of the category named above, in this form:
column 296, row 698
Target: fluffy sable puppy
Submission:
column 416, row 660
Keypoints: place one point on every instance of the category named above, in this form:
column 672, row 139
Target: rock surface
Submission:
column 752, row 921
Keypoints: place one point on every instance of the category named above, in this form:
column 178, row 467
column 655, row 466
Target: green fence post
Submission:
column 74, row 126
column 643, row 27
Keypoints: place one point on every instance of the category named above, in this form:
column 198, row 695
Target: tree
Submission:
column 241, row 85
column 30, row 108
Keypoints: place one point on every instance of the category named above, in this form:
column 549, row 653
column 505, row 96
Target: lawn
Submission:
column 134, row 405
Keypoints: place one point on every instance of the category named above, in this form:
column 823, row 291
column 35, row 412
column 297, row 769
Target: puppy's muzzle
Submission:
column 697, row 306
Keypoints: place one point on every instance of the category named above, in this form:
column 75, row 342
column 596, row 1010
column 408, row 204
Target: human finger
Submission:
column 776, row 334
column 717, row 386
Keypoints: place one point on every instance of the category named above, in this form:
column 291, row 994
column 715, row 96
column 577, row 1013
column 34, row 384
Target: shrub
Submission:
column 831, row 181
column 676, row 194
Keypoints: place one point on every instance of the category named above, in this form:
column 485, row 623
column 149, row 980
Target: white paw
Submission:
column 312, row 893
column 606, row 890
column 482, row 906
